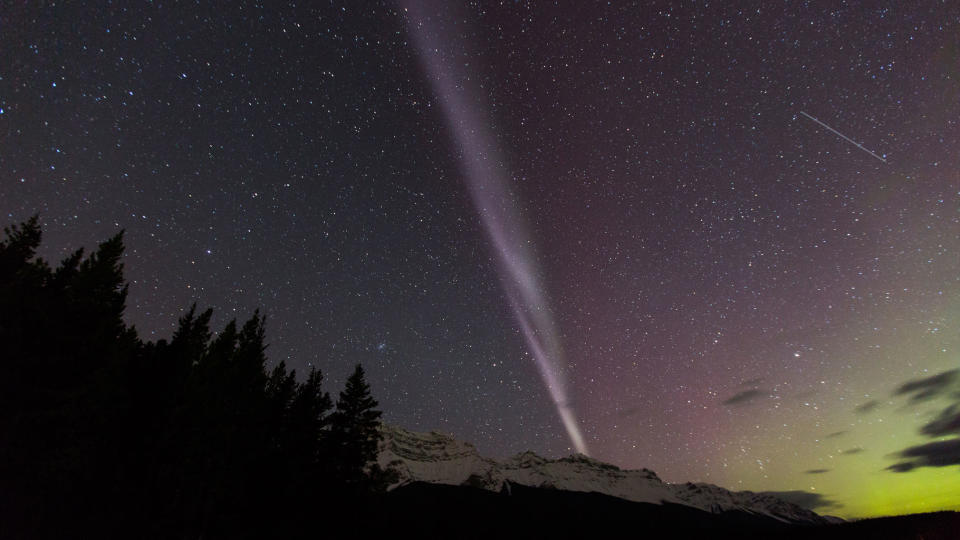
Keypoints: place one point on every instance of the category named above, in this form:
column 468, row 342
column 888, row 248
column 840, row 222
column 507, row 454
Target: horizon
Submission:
column 717, row 243
column 502, row 458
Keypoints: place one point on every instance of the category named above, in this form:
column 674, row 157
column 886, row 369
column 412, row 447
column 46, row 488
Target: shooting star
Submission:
column 844, row 137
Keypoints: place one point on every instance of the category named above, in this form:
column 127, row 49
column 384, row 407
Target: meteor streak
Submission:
column 848, row 139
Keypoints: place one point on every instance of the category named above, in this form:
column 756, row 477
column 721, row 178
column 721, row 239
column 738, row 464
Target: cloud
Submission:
column 929, row 387
column 852, row 451
column 948, row 423
column 864, row 408
column 745, row 397
column 816, row 471
column 903, row 466
column 835, row 434
column 934, row 454
column 942, row 453
column 805, row 499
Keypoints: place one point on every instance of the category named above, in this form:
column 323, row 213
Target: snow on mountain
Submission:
column 440, row 459
column 434, row 457
column 717, row 499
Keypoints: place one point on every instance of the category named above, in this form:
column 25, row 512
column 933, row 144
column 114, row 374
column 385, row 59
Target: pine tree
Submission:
column 18, row 248
column 67, row 422
column 355, row 434
column 308, row 415
column 104, row 432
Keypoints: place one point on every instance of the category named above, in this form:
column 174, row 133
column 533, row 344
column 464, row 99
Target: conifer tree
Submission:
column 67, row 422
column 308, row 415
column 299, row 433
column 18, row 248
column 354, row 433
column 101, row 432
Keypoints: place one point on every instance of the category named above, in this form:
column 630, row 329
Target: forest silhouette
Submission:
column 104, row 434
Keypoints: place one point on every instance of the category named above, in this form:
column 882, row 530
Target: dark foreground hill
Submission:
column 442, row 511
column 931, row 526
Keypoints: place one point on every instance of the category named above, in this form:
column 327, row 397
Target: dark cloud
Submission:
column 864, row 408
column 934, row 454
column 816, row 471
column 745, row 397
column 805, row 499
column 903, row 466
column 938, row 453
column 948, row 423
column 852, row 451
column 929, row 387
column 835, row 434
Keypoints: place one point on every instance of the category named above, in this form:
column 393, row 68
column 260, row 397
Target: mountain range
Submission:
column 436, row 458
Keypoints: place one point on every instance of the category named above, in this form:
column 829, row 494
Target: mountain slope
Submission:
column 440, row 459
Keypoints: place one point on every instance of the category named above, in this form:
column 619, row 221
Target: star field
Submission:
column 741, row 296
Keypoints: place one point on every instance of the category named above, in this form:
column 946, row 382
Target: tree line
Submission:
column 104, row 434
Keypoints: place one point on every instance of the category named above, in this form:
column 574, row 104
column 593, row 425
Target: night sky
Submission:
column 530, row 222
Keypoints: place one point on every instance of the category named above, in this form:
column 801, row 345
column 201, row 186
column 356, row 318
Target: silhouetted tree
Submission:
column 104, row 435
column 355, row 437
column 65, row 415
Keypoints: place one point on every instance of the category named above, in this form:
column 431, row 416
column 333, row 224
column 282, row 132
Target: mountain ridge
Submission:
column 439, row 458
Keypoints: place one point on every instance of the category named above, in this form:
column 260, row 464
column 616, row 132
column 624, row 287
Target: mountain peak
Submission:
column 442, row 459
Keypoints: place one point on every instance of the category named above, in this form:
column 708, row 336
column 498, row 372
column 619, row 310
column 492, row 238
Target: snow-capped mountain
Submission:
column 440, row 459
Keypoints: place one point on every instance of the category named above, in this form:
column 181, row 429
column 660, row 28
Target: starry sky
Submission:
column 720, row 240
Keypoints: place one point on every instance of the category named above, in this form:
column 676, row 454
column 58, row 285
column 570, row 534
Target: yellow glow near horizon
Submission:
column 856, row 462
